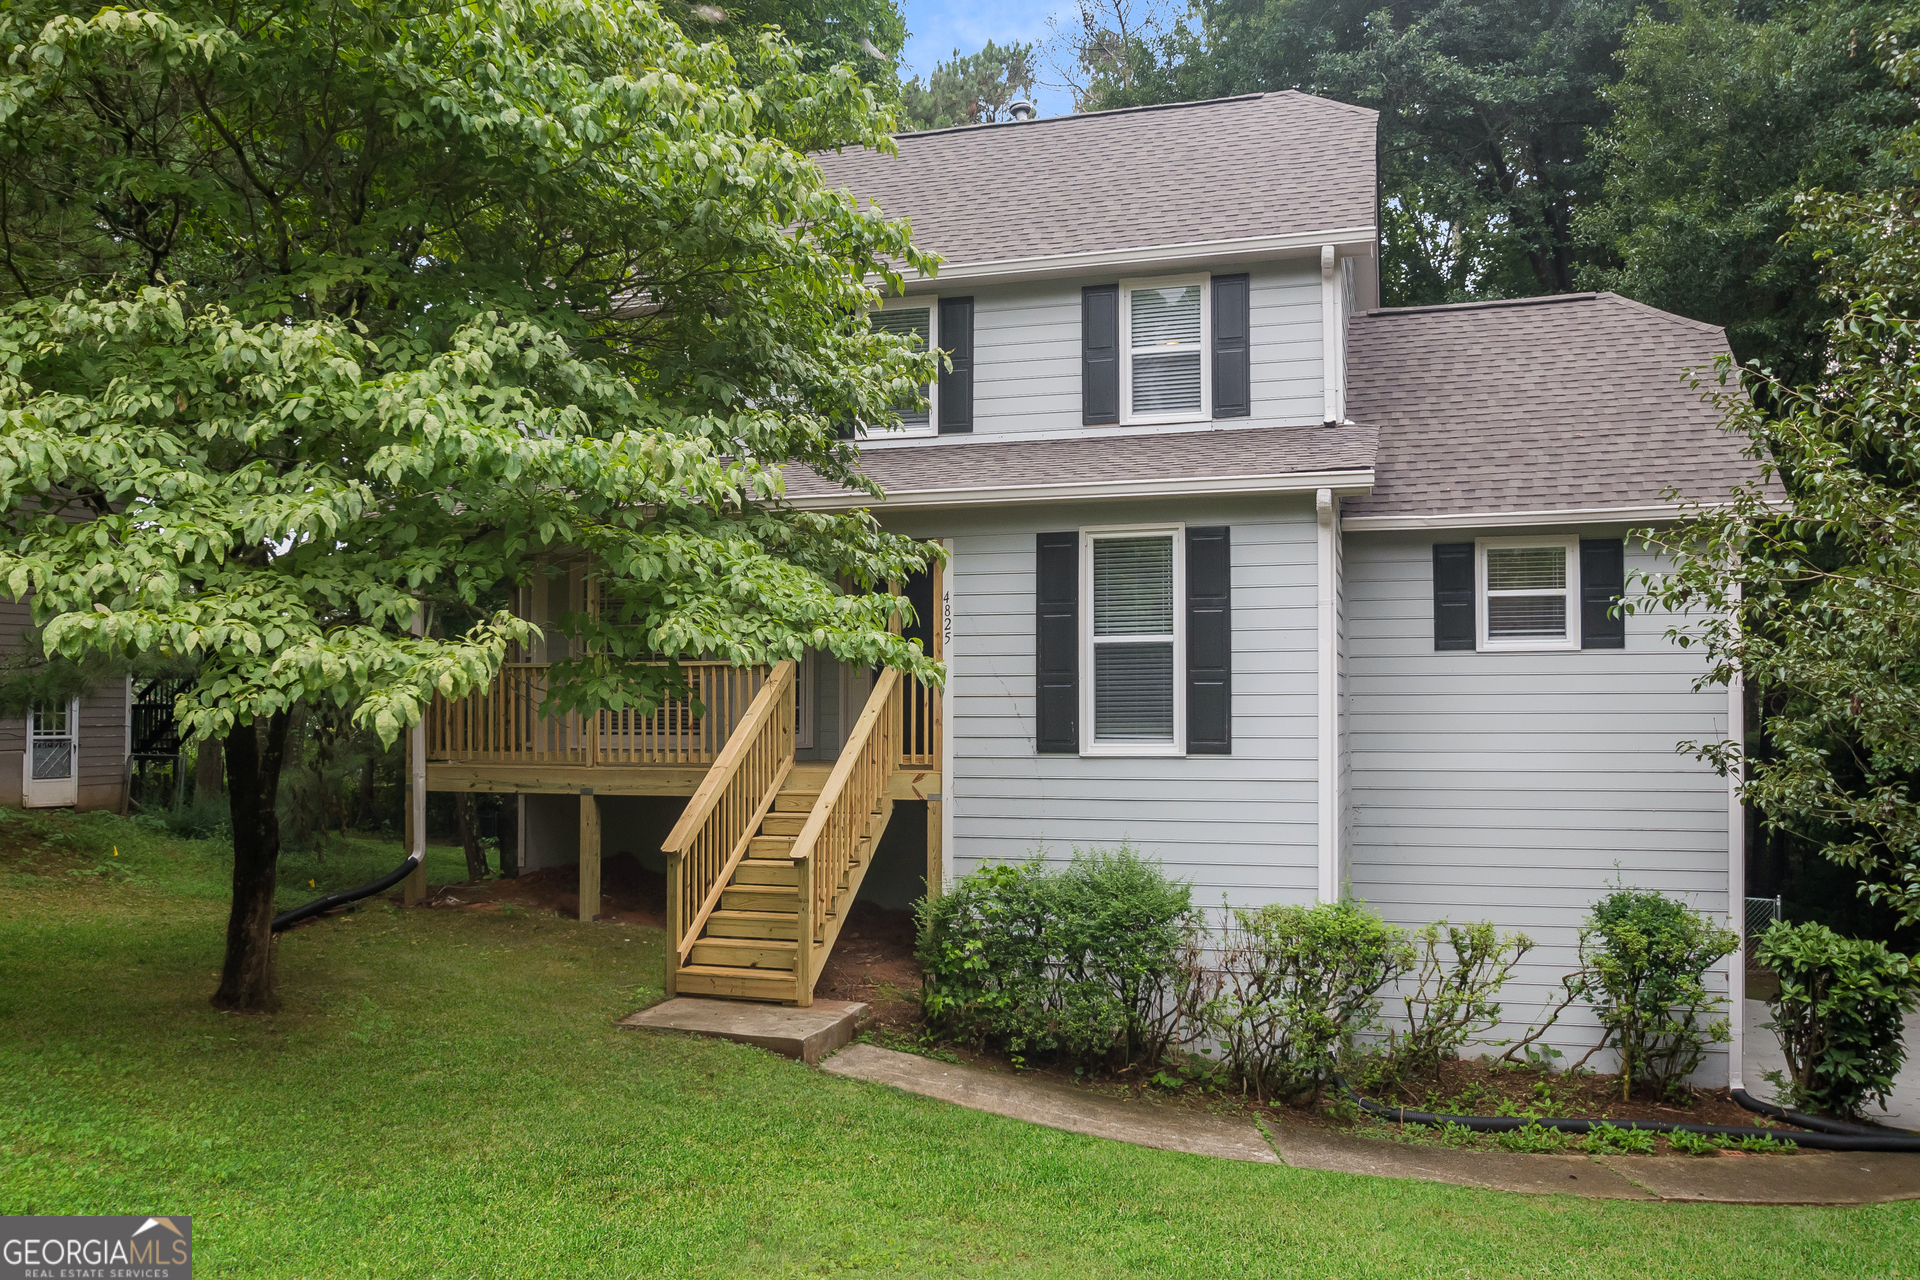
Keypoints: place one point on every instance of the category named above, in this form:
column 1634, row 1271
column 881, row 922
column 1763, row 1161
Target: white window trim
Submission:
column 1205, row 413
column 1531, row 644
column 932, row 304
column 1089, row 745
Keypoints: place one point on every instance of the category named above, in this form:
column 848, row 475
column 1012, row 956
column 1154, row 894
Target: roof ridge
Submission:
column 1481, row 304
column 1122, row 111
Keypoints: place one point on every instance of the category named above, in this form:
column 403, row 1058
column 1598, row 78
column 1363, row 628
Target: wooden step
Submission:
column 753, row 924
column 810, row 776
column 764, row 871
column 744, row 953
column 761, row 897
column 770, row 847
column 795, row 801
column 737, row 984
column 783, row 824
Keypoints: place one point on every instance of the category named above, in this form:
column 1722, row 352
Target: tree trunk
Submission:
column 463, row 806
column 255, row 754
column 207, row 770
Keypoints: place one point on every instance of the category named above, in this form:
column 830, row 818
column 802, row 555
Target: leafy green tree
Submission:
column 1815, row 595
column 322, row 318
column 864, row 34
column 1724, row 113
column 1486, row 111
column 974, row 88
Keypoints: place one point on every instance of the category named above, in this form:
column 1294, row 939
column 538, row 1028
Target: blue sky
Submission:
column 938, row 27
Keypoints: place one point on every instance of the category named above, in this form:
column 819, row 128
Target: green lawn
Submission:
column 445, row 1095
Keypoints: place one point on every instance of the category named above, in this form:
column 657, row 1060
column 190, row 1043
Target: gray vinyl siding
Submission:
column 1027, row 352
column 1241, row 825
column 102, row 745
column 1518, row 787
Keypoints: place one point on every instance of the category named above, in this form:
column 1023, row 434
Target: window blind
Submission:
column 1526, row 593
column 1164, row 324
column 1133, row 612
column 911, row 321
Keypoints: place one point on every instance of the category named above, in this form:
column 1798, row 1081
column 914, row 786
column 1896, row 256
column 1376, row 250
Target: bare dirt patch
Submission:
column 629, row 893
column 873, row 962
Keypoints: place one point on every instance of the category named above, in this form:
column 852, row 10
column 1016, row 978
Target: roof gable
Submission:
column 1255, row 166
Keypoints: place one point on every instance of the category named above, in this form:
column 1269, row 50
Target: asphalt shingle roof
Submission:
column 1236, row 453
column 1231, row 168
column 1540, row 404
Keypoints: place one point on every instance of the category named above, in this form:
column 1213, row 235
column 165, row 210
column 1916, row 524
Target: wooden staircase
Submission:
column 749, row 946
column 764, row 863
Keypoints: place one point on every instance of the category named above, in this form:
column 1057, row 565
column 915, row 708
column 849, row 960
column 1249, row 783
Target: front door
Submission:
column 53, row 756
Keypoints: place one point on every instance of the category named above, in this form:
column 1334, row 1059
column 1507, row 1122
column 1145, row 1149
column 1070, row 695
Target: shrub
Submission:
column 1533, row 1139
column 1838, row 1015
column 1081, row 962
column 1604, row 1138
column 1643, row 963
column 1293, row 986
column 1450, row 997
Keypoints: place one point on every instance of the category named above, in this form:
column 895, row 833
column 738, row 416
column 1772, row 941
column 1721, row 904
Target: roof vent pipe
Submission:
column 1020, row 109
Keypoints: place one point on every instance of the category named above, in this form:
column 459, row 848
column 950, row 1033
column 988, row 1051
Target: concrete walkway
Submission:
column 1815, row 1177
column 1057, row 1106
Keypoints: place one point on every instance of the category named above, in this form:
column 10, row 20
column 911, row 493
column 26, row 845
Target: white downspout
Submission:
column 1330, row 335
column 1737, row 884
column 1327, row 709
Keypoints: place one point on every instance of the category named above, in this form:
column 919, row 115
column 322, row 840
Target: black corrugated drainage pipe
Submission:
column 1818, row 1123
column 1506, row 1124
column 333, row 900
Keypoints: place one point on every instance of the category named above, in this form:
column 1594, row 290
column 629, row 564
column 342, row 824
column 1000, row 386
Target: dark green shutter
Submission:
column 1453, row 614
column 956, row 384
column 1057, row 643
column 1100, row 354
column 1209, row 643
column 1232, row 396
column 1603, row 580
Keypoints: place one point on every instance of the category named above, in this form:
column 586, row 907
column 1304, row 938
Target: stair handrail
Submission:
column 823, row 850
column 719, row 823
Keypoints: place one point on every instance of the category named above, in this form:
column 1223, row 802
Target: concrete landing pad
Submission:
column 1057, row 1106
column 807, row 1034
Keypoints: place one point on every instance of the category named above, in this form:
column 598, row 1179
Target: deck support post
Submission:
column 676, row 924
column 413, row 890
column 936, row 856
column 589, row 856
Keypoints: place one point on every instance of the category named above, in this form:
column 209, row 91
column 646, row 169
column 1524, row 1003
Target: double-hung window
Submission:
column 918, row 318
column 1529, row 592
column 1165, row 328
column 1135, row 699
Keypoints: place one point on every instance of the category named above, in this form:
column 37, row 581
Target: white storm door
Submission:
column 52, row 762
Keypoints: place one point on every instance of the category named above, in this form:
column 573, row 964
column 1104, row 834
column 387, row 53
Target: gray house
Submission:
column 1301, row 595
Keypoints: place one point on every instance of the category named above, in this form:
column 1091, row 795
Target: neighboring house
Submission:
column 1300, row 596
column 73, row 753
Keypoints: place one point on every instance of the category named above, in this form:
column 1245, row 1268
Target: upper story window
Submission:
column 1164, row 333
column 1529, row 593
column 920, row 318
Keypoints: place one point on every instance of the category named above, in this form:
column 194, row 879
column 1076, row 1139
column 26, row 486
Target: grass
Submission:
column 446, row 1095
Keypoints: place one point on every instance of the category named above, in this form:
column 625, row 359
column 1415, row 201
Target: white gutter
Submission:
column 1357, row 481
column 1327, row 708
column 1655, row 512
column 1192, row 253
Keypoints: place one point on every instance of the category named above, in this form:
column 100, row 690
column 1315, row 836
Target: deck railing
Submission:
column 508, row 722
column 719, row 823
column 828, row 843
